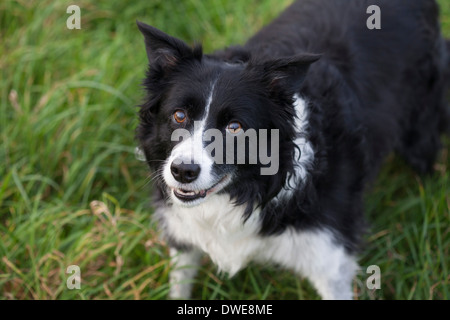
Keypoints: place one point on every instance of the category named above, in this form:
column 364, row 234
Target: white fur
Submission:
column 305, row 156
column 216, row 228
column 316, row 256
column 184, row 269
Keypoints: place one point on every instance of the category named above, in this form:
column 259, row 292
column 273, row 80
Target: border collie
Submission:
column 337, row 97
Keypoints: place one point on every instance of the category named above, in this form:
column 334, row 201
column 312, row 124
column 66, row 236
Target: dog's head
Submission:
column 211, row 125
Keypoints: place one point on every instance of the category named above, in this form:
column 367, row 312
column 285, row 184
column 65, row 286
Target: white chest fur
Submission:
column 217, row 228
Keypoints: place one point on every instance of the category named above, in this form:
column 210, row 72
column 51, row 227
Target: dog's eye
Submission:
column 234, row 127
column 179, row 116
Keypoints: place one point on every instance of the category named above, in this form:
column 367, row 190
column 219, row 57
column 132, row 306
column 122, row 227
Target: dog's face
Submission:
column 212, row 126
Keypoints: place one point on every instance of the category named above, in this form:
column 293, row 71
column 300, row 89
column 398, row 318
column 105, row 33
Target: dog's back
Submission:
column 395, row 76
column 374, row 91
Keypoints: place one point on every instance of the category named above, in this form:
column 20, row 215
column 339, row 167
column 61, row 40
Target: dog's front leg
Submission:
column 184, row 270
column 334, row 282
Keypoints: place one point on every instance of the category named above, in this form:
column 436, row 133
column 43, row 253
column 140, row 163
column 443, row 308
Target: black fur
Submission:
column 372, row 92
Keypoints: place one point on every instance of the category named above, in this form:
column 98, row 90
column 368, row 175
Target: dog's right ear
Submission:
column 166, row 51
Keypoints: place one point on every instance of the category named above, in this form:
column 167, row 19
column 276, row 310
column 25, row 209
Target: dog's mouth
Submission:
column 186, row 195
column 195, row 196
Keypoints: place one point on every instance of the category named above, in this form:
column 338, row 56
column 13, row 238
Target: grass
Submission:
column 73, row 193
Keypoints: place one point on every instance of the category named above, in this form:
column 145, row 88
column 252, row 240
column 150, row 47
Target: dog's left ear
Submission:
column 287, row 74
column 165, row 51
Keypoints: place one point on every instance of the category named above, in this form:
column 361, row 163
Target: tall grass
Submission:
column 73, row 193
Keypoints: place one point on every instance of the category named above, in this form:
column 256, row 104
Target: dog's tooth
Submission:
column 184, row 192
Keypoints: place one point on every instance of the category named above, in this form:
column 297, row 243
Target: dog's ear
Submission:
column 287, row 74
column 166, row 51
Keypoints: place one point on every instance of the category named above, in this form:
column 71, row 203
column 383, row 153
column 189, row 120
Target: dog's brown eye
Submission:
column 179, row 116
column 234, row 127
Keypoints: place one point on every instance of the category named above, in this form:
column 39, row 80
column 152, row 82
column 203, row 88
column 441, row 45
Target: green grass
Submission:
column 72, row 192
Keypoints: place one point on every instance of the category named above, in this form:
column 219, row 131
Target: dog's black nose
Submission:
column 185, row 173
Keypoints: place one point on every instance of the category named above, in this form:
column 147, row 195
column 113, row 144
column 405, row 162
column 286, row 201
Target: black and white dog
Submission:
column 334, row 97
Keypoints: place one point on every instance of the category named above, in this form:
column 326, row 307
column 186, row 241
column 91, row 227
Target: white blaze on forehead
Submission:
column 198, row 152
column 208, row 105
